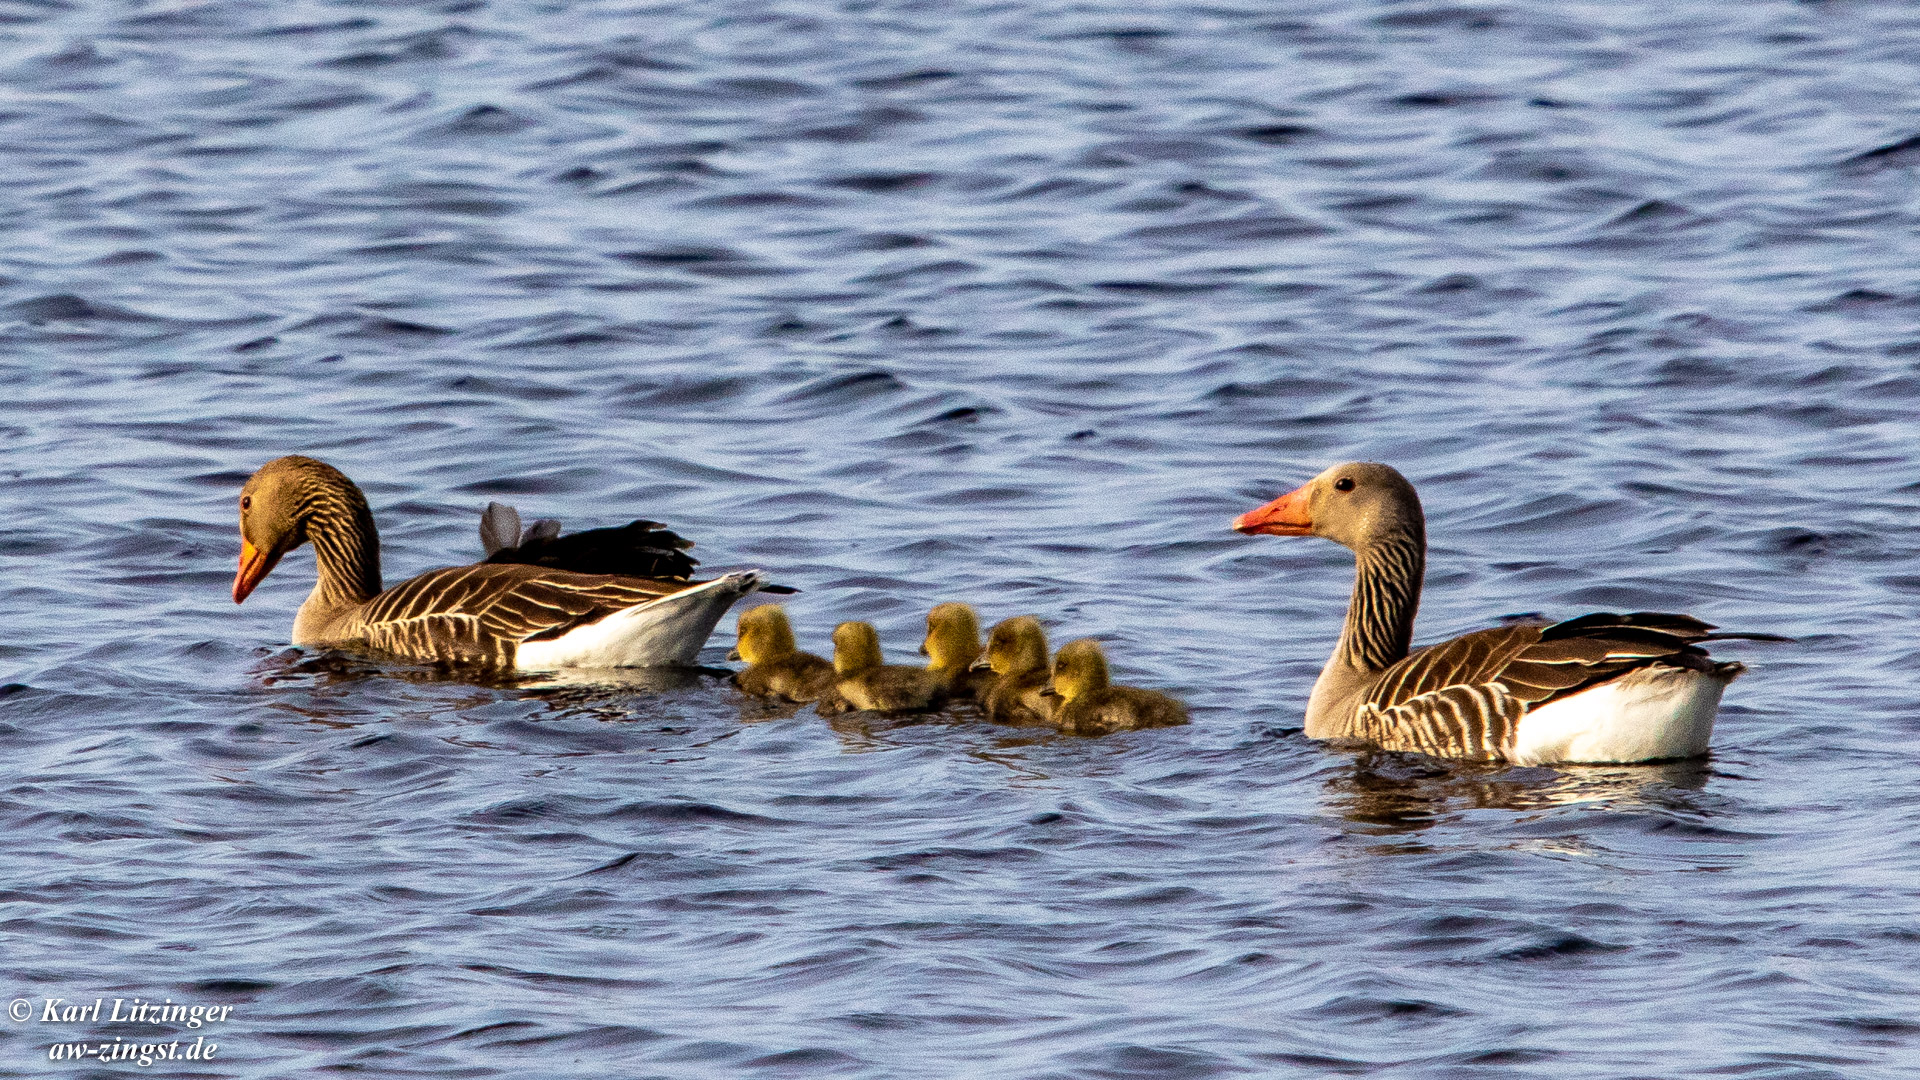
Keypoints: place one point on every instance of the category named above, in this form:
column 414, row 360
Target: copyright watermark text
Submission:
column 165, row 1014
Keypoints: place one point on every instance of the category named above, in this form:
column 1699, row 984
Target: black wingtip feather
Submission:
column 1684, row 627
column 637, row 549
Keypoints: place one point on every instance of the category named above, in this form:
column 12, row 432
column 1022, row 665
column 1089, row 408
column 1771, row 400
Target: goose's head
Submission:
column 276, row 506
column 856, row 649
column 1079, row 668
column 1357, row 505
column 953, row 637
column 765, row 634
column 1016, row 645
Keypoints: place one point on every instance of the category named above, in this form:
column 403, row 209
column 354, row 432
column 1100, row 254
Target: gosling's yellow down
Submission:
column 1017, row 660
column 1091, row 705
column 776, row 666
column 952, row 646
column 865, row 682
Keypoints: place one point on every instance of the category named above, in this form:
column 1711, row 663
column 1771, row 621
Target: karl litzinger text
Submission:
column 138, row 1011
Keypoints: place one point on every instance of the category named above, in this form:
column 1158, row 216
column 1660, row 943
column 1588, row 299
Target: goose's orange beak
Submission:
column 254, row 566
column 1284, row 516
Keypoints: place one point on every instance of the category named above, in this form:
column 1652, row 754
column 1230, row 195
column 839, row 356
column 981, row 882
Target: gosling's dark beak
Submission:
column 923, row 649
column 980, row 664
column 733, row 653
column 1050, row 692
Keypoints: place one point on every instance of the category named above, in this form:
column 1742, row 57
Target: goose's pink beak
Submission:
column 1284, row 516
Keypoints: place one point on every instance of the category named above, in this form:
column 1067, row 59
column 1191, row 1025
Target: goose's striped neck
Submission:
column 1386, row 594
column 346, row 544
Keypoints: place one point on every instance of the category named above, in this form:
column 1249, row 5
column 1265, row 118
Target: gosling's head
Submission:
column 953, row 637
column 1079, row 668
column 764, row 635
column 856, row 648
column 1016, row 645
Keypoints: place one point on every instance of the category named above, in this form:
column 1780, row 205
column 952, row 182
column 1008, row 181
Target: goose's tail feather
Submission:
column 667, row 632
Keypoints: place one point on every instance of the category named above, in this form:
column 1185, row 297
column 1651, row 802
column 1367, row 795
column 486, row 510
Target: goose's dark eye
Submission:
column 246, row 502
column 1345, row 483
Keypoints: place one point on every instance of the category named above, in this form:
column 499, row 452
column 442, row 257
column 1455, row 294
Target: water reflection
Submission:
column 864, row 732
column 753, row 710
column 323, row 667
column 295, row 665
column 581, row 684
column 1387, row 792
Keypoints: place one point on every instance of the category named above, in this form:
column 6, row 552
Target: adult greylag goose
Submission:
column 503, row 616
column 777, row 667
column 1091, row 705
column 1599, row 688
column 951, row 647
column 637, row 549
column 865, row 681
column 1017, row 659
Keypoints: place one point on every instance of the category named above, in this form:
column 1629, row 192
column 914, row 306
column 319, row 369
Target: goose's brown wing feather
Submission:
column 480, row 614
column 1470, row 660
column 1464, row 697
column 1469, row 723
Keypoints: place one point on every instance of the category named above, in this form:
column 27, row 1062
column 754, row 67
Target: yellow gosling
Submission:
column 866, row 682
column 1017, row 660
column 776, row 666
column 952, row 646
column 1091, row 705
